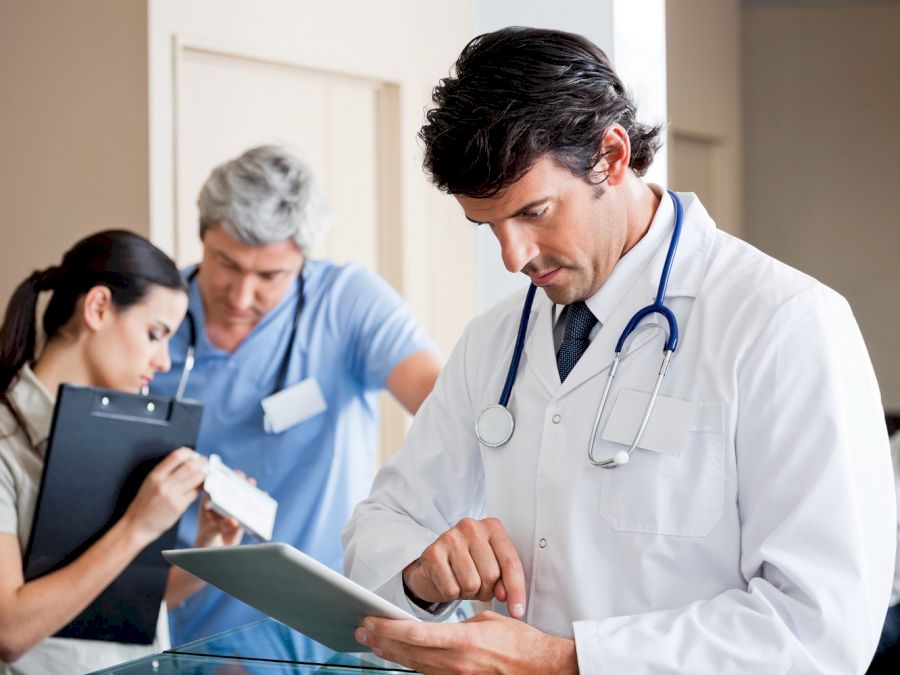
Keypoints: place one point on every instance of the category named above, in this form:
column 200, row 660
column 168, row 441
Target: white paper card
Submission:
column 234, row 497
column 668, row 427
column 293, row 405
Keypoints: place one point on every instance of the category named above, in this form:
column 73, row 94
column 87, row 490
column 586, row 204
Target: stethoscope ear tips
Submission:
column 621, row 458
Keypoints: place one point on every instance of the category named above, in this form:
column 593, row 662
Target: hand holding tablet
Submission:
column 291, row 587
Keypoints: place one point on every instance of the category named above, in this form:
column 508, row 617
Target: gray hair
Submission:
column 266, row 196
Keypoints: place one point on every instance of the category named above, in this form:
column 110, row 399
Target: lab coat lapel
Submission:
column 692, row 257
column 688, row 270
column 540, row 354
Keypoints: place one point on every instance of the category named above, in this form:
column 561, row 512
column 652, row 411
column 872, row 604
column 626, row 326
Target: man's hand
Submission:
column 487, row 643
column 214, row 529
column 473, row 559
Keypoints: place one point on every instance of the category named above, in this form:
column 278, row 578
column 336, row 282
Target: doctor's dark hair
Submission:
column 126, row 263
column 519, row 94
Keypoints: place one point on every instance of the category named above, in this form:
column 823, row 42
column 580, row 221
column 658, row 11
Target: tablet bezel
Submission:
column 291, row 587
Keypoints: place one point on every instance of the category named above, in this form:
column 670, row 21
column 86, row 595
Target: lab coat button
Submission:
column 542, row 543
column 556, row 419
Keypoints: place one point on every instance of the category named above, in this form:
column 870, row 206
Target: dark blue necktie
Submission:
column 579, row 322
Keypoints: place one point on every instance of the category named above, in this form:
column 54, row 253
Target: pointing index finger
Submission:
column 511, row 587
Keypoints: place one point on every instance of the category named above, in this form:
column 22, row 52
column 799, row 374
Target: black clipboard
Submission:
column 102, row 445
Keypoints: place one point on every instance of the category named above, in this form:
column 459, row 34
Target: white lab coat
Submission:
column 895, row 456
column 765, row 546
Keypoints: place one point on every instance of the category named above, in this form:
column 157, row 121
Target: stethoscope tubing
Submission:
column 658, row 306
column 281, row 379
column 520, row 345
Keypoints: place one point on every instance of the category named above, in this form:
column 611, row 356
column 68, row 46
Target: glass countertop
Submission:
column 169, row 663
column 264, row 646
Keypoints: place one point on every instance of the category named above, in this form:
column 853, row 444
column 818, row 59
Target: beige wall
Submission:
column 92, row 105
column 87, row 122
column 408, row 44
column 822, row 138
column 73, row 127
column 704, row 106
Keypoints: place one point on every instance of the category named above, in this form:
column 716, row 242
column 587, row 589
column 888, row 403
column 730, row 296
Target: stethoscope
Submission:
column 495, row 424
column 192, row 341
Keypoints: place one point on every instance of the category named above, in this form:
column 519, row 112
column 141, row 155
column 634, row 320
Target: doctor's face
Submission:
column 240, row 283
column 553, row 227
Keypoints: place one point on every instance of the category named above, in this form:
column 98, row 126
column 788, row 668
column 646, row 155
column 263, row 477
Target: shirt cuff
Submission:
column 395, row 591
column 433, row 608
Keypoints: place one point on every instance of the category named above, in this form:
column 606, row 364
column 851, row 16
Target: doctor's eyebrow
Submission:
column 522, row 209
column 228, row 260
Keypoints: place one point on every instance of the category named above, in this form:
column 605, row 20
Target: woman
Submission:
column 115, row 301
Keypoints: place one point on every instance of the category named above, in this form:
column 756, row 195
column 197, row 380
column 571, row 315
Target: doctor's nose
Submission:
column 241, row 293
column 516, row 247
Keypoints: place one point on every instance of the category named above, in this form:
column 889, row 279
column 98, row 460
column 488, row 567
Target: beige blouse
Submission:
column 22, row 451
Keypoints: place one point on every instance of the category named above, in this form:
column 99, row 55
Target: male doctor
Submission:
column 751, row 528
column 271, row 324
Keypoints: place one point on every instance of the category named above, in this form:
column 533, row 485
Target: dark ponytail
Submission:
column 123, row 261
column 18, row 333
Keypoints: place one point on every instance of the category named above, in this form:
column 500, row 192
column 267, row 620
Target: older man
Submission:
column 267, row 319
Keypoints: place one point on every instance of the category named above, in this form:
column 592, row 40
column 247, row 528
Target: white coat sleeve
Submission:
column 435, row 480
column 817, row 509
column 895, row 455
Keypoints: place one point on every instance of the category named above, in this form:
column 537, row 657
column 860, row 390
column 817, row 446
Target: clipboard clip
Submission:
column 113, row 404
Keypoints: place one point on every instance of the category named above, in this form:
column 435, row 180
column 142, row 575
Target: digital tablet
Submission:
column 291, row 587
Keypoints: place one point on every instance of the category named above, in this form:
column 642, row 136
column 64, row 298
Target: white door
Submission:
column 345, row 83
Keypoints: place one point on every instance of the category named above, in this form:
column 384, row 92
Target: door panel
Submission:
column 226, row 104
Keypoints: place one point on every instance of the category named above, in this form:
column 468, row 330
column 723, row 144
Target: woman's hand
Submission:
column 165, row 494
column 30, row 611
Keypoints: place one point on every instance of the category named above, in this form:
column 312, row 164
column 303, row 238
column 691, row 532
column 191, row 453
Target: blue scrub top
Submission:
column 353, row 331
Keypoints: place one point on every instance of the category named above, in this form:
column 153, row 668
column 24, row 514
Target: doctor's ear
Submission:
column 615, row 155
column 97, row 307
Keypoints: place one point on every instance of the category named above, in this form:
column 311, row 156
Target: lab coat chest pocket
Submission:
column 667, row 493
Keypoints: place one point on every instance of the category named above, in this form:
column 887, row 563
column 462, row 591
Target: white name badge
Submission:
column 668, row 426
column 293, row 405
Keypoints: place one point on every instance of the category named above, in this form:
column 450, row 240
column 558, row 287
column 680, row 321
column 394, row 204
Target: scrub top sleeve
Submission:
column 410, row 505
column 376, row 327
column 816, row 511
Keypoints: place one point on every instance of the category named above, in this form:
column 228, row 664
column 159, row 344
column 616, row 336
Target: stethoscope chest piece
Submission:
column 494, row 426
